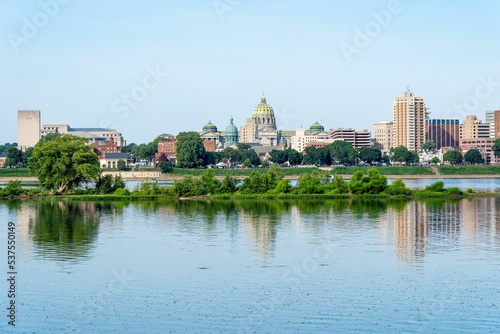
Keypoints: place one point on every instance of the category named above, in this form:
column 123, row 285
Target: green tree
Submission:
column 247, row 163
column 429, row 146
column 369, row 154
column 342, row 152
column 279, row 156
column 453, row 157
column 121, row 164
column 190, row 150
column 317, row 156
column 496, row 148
column 14, row 157
column 402, row 154
column 63, row 163
column 166, row 167
column 372, row 183
column 294, row 157
column 474, row 157
column 435, row 160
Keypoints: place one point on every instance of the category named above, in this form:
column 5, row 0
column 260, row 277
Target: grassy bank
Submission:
column 389, row 170
column 14, row 172
column 469, row 170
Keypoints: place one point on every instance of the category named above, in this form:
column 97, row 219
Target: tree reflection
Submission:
column 66, row 230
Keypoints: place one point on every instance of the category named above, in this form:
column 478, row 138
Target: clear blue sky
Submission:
column 89, row 54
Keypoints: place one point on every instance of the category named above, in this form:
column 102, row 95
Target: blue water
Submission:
column 255, row 267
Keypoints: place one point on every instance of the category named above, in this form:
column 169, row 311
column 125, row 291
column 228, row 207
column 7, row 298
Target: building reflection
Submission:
column 440, row 225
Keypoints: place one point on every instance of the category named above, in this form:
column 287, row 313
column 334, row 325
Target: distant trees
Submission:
column 474, row 157
column 282, row 156
column 429, row 146
column 121, row 164
column 15, row 157
column 190, row 150
column 402, row 154
column 317, row 156
column 453, row 157
column 369, row 154
column 342, row 152
column 435, row 160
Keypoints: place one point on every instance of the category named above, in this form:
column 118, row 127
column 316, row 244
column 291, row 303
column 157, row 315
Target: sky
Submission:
column 148, row 67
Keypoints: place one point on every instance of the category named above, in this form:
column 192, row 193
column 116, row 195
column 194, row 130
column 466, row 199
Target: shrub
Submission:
column 397, row 188
column 454, row 191
column 122, row 192
column 436, row 186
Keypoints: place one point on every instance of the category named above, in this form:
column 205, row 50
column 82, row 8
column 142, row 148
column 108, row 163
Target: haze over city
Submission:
column 337, row 62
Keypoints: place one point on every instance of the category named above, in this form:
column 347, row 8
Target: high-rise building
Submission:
column 493, row 118
column 473, row 128
column 383, row 135
column 490, row 119
column 28, row 128
column 409, row 121
column 443, row 132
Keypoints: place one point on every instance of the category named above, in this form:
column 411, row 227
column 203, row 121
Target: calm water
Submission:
column 255, row 267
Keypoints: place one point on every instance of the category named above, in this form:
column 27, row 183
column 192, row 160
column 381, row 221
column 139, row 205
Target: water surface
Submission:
column 256, row 267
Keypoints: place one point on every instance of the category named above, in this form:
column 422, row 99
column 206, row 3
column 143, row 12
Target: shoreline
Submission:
column 289, row 177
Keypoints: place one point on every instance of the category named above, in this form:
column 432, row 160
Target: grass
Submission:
column 14, row 172
column 469, row 170
column 390, row 170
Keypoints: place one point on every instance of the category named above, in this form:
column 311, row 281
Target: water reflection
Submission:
column 65, row 230
column 442, row 225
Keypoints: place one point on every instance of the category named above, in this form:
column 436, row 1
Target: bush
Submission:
column 122, row 192
column 166, row 167
column 436, row 186
column 13, row 188
column 454, row 191
column 397, row 188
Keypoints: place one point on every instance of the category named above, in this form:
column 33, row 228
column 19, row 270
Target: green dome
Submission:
column 231, row 130
column 263, row 109
column 231, row 135
column 209, row 127
column 316, row 127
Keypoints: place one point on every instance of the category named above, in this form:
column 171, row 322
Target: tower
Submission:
column 28, row 128
column 409, row 121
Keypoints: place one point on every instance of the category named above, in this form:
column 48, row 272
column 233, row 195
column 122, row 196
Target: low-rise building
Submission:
column 110, row 160
column 303, row 137
column 101, row 148
column 3, row 159
column 483, row 145
column 93, row 135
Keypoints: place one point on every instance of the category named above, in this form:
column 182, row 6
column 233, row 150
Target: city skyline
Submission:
column 338, row 63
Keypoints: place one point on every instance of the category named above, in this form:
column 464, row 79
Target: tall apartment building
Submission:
column 356, row 138
column 474, row 128
column 28, row 128
column 493, row 118
column 409, row 121
column 383, row 135
column 443, row 132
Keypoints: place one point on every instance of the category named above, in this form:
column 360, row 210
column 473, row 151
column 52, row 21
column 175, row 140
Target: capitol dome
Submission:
column 316, row 127
column 209, row 127
column 263, row 109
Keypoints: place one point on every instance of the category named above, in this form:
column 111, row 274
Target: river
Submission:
column 332, row 266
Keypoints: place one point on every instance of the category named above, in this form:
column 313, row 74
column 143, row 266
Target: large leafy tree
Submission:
column 473, row 157
column 369, row 154
column 342, row 152
column 190, row 150
column 63, row 163
column 453, row 157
